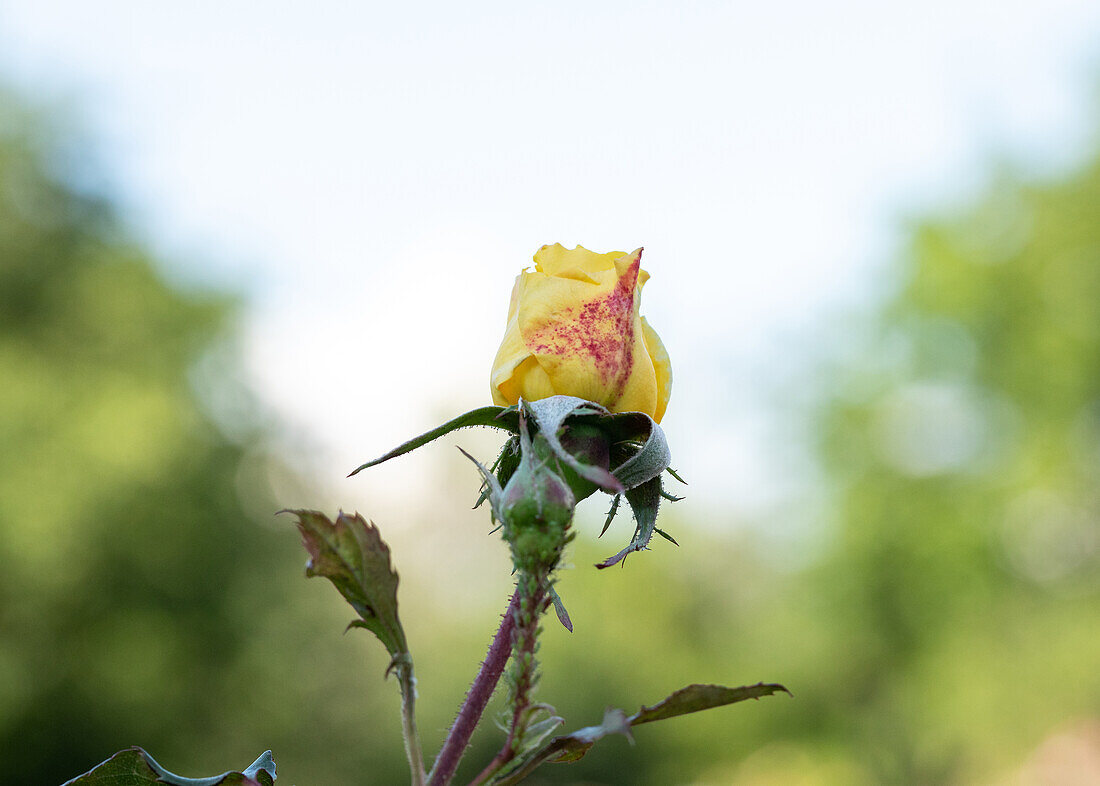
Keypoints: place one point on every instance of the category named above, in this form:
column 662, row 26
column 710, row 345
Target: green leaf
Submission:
column 495, row 417
column 695, row 698
column 351, row 554
column 135, row 767
column 569, row 748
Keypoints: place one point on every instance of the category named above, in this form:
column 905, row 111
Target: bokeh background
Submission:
column 244, row 248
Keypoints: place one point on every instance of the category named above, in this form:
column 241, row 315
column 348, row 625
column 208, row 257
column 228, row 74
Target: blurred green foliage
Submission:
column 964, row 454
column 122, row 538
column 950, row 623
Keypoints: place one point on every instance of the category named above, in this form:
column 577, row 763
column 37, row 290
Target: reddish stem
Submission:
column 530, row 608
column 476, row 699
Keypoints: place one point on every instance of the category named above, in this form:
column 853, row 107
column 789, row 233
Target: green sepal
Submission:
column 507, row 463
column 135, row 767
column 672, row 472
column 560, row 610
column 504, row 418
column 666, row 536
column 640, row 448
column 644, row 501
column 509, row 460
column 569, row 748
column 637, row 455
column 616, row 500
column 550, row 415
column 490, row 488
column 536, row 505
column 643, row 441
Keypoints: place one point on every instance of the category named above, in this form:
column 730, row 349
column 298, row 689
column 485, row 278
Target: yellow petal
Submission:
column 662, row 367
column 517, row 294
column 556, row 259
column 624, row 263
column 510, row 356
column 574, row 329
column 529, row 382
column 640, row 392
column 582, row 334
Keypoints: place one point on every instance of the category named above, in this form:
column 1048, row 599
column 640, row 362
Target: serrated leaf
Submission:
column 569, row 748
column 351, row 554
column 644, row 500
column 494, row 417
column 695, row 698
column 135, row 767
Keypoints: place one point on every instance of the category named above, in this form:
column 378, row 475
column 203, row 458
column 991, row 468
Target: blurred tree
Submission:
column 965, row 455
column 951, row 624
column 121, row 534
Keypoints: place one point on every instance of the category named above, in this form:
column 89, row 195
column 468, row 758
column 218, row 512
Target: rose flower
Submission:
column 574, row 329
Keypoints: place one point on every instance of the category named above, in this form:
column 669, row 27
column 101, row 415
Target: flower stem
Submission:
column 403, row 667
column 532, row 592
column 476, row 698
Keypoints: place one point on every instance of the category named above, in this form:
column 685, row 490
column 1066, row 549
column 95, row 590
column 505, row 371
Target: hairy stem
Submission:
column 413, row 751
column 476, row 698
column 532, row 592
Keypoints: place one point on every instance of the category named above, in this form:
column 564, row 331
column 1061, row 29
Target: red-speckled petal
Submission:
column 583, row 335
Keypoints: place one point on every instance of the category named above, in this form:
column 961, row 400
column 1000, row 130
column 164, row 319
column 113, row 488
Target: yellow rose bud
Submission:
column 574, row 329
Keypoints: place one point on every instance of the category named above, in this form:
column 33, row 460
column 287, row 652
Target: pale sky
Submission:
column 373, row 176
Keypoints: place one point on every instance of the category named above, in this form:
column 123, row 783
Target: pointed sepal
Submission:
column 494, row 417
column 644, row 501
column 550, row 416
